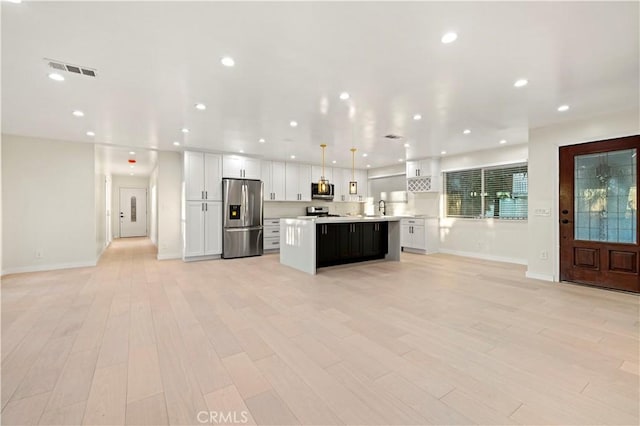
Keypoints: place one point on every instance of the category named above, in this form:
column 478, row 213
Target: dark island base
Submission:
column 342, row 243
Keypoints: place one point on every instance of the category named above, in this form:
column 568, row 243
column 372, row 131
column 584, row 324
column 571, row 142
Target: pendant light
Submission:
column 353, row 185
column 323, row 183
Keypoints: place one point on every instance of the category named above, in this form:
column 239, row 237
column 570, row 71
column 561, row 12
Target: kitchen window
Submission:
column 492, row 192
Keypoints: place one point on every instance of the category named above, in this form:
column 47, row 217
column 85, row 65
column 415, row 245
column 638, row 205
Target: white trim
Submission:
column 49, row 267
column 199, row 258
column 488, row 165
column 536, row 276
column 484, row 256
column 387, row 175
column 169, row 256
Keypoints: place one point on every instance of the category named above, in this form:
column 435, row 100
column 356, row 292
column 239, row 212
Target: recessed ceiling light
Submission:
column 502, row 142
column 443, row 152
column 261, row 140
column 242, row 151
column 132, row 153
column 227, row 61
column 521, row 82
column 368, row 165
column 344, row 96
column 293, row 123
column 176, row 143
column 132, row 166
column 563, row 108
column 201, row 107
column 417, row 117
column 55, row 76
column 406, row 145
column 466, row 131
column 90, row 133
column 334, row 162
column 293, row 156
column 185, row 130
column 401, row 159
column 78, row 113
column 449, row 38
column 365, row 155
column 131, row 174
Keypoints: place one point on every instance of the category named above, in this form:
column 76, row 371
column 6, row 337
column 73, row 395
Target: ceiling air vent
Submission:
column 392, row 136
column 76, row 69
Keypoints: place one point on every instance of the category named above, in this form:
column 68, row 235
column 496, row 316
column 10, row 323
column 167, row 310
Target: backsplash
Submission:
column 293, row 209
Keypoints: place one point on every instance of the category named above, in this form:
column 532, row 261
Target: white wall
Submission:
column 125, row 181
column 169, row 205
column 48, row 204
column 544, row 180
column 153, row 204
column 493, row 239
column 293, row 209
column 100, row 203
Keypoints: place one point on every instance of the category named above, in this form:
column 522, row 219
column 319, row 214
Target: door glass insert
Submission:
column 605, row 197
column 133, row 209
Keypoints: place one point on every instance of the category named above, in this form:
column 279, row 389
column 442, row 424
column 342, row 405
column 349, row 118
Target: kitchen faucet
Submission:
column 382, row 208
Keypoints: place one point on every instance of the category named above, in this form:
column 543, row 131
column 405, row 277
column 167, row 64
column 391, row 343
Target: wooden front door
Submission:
column 599, row 240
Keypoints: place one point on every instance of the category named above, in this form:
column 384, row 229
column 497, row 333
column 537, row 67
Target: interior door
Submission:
column 133, row 212
column 599, row 214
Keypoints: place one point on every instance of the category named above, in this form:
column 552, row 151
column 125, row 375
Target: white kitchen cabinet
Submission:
column 419, row 235
column 316, row 173
column 235, row 166
column 271, row 240
column 203, row 228
column 423, row 175
column 273, row 176
column 342, row 177
column 297, row 182
column 202, row 176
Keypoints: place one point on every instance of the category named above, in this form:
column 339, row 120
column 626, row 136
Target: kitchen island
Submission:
column 308, row 242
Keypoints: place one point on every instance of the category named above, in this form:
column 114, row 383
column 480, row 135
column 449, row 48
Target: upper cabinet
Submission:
column 203, row 176
column 273, row 176
column 423, row 175
column 235, row 166
column 341, row 179
column 297, row 182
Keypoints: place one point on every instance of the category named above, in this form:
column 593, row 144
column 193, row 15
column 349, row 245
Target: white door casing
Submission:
column 133, row 212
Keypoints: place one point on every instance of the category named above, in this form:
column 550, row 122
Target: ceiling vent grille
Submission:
column 392, row 136
column 75, row 69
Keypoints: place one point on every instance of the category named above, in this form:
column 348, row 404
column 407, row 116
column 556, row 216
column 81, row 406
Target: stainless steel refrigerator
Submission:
column 242, row 224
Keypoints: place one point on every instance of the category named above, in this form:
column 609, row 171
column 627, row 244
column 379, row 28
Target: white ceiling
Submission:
column 155, row 60
column 114, row 160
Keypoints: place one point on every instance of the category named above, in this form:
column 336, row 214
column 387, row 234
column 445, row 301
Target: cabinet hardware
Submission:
column 275, row 242
column 202, row 206
column 206, row 195
column 206, row 207
column 202, row 194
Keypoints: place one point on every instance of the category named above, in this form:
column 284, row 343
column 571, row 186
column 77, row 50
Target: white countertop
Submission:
column 349, row 219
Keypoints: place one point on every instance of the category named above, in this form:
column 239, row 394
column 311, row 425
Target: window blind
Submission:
column 496, row 192
column 463, row 191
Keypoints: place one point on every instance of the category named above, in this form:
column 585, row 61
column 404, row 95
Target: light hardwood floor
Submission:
column 430, row 340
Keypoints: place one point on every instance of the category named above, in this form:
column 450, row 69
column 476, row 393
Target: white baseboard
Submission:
column 536, row 276
column 169, row 256
column 48, row 267
column 199, row 258
column 484, row 256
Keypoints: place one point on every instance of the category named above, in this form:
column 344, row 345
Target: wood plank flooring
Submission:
column 432, row 339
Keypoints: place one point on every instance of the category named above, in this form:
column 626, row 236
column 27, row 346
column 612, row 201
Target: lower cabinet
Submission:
column 419, row 234
column 271, row 240
column 350, row 242
column 203, row 228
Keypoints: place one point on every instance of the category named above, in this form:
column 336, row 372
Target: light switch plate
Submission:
column 542, row 212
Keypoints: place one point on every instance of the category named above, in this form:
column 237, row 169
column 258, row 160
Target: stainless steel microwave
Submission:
column 316, row 196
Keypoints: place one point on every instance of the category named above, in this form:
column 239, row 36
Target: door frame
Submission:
column 615, row 144
column 146, row 213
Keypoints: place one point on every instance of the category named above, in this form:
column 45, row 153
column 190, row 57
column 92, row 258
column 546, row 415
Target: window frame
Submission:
column 483, row 194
